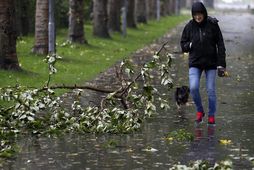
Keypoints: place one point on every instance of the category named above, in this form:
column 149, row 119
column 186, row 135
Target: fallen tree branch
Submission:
column 162, row 47
column 79, row 87
column 119, row 93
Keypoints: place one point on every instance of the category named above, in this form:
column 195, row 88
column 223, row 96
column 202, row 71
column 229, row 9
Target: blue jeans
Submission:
column 194, row 80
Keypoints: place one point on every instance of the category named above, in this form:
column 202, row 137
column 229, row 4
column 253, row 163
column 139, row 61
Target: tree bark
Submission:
column 141, row 11
column 131, row 16
column 165, row 8
column 100, row 19
column 76, row 21
column 171, row 7
column 114, row 15
column 22, row 17
column 41, row 27
column 151, row 9
column 8, row 36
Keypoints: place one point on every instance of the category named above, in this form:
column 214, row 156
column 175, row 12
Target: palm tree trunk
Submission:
column 22, row 17
column 41, row 27
column 151, row 9
column 8, row 36
column 141, row 11
column 131, row 16
column 76, row 21
column 114, row 15
column 171, row 7
column 100, row 19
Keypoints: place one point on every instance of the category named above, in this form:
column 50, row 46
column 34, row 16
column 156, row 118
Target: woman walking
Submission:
column 203, row 40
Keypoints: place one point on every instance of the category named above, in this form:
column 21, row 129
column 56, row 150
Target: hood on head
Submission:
column 198, row 7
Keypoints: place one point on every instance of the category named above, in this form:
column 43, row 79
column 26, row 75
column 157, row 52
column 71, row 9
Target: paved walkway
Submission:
column 235, row 119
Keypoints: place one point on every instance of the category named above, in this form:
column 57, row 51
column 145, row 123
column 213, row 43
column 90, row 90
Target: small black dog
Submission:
column 182, row 95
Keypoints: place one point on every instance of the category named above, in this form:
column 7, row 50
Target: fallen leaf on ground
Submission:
column 225, row 141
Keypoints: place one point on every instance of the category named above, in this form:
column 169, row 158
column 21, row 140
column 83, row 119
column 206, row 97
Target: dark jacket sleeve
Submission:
column 185, row 39
column 221, row 60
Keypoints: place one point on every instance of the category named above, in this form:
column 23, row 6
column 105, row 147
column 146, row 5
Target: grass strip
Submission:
column 81, row 63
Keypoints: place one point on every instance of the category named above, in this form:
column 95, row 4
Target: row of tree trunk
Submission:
column 8, row 55
column 106, row 17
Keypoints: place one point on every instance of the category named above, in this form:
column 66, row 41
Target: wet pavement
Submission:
column 235, row 119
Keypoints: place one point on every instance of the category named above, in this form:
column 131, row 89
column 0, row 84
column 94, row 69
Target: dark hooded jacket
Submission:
column 207, row 50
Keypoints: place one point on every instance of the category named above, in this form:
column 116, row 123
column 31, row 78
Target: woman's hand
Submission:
column 222, row 72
